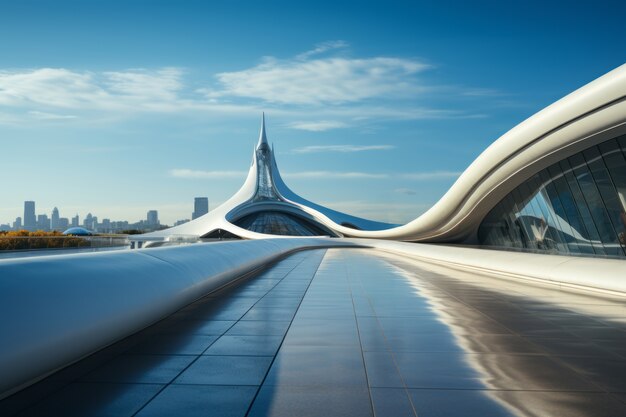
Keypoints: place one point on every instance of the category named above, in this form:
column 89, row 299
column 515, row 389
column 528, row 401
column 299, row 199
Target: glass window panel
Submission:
column 575, row 206
column 616, row 165
column 562, row 225
column 547, row 238
column 622, row 143
column 596, row 205
column 579, row 231
column 583, row 208
column 521, row 219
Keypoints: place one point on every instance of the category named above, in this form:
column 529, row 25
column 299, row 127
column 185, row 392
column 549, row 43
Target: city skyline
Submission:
column 152, row 117
column 38, row 219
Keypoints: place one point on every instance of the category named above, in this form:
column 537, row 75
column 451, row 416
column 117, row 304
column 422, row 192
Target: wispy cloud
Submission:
column 50, row 116
column 422, row 176
column 161, row 85
column 321, row 48
column 335, row 175
column 481, row 92
column 406, row 191
column 342, row 148
column 318, row 126
column 66, row 89
column 309, row 79
column 415, row 176
column 198, row 174
column 339, row 88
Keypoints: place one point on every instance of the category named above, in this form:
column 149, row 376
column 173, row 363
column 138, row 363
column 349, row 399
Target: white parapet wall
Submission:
column 58, row 309
column 601, row 275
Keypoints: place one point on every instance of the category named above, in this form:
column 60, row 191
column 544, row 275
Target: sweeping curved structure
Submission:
column 265, row 207
column 554, row 184
column 592, row 115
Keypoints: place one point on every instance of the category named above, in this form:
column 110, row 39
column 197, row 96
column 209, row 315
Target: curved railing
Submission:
column 57, row 310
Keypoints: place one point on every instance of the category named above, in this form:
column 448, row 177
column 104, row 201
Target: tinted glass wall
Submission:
column 576, row 206
column 279, row 223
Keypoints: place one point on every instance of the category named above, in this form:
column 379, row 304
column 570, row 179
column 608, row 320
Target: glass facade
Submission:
column 574, row 207
column 280, row 223
column 265, row 184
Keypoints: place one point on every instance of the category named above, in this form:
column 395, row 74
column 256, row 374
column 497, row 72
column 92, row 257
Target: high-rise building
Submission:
column 43, row 222
column 200, row 207
column 30, row 220
column 54, row 219
column 17, row 224
column 153, row 218
column 64, row 223
column 88, row 222
column 75, row 221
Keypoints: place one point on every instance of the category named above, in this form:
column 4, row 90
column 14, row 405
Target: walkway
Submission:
column 355, row 332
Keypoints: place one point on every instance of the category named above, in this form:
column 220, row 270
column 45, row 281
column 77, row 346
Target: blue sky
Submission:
column 118, row 107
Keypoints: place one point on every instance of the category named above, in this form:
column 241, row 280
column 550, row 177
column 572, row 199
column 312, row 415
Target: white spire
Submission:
column 262, row 136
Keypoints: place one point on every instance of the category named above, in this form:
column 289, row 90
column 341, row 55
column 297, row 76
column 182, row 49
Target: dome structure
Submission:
column 78, row 231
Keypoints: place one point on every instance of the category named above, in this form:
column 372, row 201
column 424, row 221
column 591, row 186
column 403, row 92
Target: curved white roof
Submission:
column 263, row 190
column 585, row 117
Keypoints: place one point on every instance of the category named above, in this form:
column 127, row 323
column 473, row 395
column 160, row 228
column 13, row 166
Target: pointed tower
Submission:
column 263, row 144
column 265, row 188
column 265, row 206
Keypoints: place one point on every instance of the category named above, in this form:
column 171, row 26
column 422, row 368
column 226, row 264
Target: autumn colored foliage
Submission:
column 23, row 239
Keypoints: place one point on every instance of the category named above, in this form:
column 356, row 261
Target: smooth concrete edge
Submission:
column 65, row 308
column 566, row 272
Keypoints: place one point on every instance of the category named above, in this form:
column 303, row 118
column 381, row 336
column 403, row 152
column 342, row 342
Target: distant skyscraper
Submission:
column 200, row 207
column 153, row 218
column 75, row 221
column 17, row 224
column 43, row 222
column 54, row 219
column 30, row 220
column 88, row 222
column 64, row 223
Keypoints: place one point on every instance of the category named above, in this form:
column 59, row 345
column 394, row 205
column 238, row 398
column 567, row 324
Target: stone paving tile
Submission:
column 200, row 401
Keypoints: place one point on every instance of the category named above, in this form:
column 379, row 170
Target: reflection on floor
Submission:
column 355, row 332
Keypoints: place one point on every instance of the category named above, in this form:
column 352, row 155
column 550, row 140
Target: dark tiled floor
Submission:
column 348, row 332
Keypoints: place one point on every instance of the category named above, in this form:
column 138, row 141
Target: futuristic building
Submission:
column 265, row 207
column 556, row 183
column 506, row 298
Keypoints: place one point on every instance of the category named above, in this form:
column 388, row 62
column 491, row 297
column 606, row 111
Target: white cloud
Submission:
column 422, row 176
column 84, row 90
column 335, row 175
column 406, row 191
column 320, row 48
column 342, row 148
column 163, row 84
column 319, row 126
column 326, row 80
column 330, row 80
column 50, row 116
column 198, row 174
column 55, row 87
